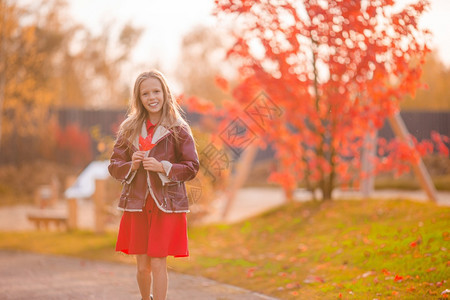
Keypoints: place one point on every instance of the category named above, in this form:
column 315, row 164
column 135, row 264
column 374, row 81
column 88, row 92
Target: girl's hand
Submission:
column 151, row 164
column 136, row 159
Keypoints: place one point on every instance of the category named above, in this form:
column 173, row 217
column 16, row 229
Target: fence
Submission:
column 419, row 124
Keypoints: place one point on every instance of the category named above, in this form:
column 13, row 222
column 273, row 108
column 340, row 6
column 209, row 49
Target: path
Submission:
column 43, row 277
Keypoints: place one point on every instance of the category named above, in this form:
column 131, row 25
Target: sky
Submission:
column 166, row 22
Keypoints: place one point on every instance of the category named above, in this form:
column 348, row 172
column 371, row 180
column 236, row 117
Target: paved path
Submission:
column 43, row 277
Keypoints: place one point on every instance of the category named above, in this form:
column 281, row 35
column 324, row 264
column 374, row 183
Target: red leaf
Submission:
column 398, row 278
column 222, row 83
column 251, row 272
column 145, row 144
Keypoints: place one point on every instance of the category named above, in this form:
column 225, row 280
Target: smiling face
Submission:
column 152, row 97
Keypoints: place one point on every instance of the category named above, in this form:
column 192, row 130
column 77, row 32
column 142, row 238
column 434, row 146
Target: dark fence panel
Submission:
column 107, row 120
column 420, row 124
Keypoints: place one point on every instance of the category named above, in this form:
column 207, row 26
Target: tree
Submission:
column 47, row 61
column 436, row 78
column 336, row 69
column 202, row 51
column 96, row 67
column 25, row 86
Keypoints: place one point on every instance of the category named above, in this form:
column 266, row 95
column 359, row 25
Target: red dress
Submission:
column 152, row 231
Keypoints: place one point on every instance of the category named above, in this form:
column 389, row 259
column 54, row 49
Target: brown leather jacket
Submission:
column 180, row 162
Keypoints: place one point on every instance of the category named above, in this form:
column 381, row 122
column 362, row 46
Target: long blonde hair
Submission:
column 171, row 117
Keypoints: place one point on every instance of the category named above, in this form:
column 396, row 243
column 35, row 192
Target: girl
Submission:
column 153, row 155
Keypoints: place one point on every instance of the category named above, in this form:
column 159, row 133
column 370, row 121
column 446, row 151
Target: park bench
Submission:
column 42, row 221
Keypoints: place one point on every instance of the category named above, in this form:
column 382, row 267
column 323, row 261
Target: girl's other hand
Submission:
column 151, row 164
column 136, row 159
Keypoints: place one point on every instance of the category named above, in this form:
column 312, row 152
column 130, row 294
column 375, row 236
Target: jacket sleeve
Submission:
column 188, row 164
column 120, row 163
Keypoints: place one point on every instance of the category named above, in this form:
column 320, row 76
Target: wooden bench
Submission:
column 44, row 221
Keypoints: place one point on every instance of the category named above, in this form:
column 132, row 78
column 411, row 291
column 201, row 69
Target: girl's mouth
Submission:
column 153, row 104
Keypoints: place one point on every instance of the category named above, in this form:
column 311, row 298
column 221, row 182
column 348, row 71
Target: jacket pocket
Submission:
column 175, row 196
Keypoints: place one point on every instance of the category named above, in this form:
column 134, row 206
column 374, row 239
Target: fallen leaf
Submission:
column 411, row 289
column 251, row 272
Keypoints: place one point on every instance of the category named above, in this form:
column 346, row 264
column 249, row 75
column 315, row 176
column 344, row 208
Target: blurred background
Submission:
column 66, row 72
column 67, row 68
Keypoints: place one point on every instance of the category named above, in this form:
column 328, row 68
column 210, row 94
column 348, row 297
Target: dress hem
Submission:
column 133, row 253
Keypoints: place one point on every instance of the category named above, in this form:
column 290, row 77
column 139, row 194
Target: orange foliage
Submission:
column 334, row 73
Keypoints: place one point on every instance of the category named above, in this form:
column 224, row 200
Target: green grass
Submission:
column 371, row 249
column 84, row 244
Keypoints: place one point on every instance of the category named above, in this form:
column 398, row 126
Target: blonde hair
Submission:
column 171, row 116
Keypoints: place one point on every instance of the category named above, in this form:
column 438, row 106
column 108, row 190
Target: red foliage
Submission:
column 74, row 146
column 222, row 83
column 336, row 70
column 199, row 105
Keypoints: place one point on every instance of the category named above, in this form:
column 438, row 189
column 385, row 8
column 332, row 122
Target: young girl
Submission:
column 154, row 154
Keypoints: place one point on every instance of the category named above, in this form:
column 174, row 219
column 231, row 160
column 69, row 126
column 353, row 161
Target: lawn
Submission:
column 372, row 249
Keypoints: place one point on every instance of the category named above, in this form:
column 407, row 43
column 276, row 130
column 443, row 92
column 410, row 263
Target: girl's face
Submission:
column 152, row 97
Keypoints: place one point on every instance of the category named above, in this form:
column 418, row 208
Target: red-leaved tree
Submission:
column 335, row 69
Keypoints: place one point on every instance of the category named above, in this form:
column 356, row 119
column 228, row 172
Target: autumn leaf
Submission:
column 251, row 272
column 145, row 144
column 222, row 83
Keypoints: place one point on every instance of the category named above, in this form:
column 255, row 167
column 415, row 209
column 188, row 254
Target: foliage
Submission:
column 73, row 146
column 26, row 89
column 335, row 69
column 48, row 61
column 436, row 78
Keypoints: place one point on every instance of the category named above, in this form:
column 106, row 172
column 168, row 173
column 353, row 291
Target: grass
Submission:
column 338, row 250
